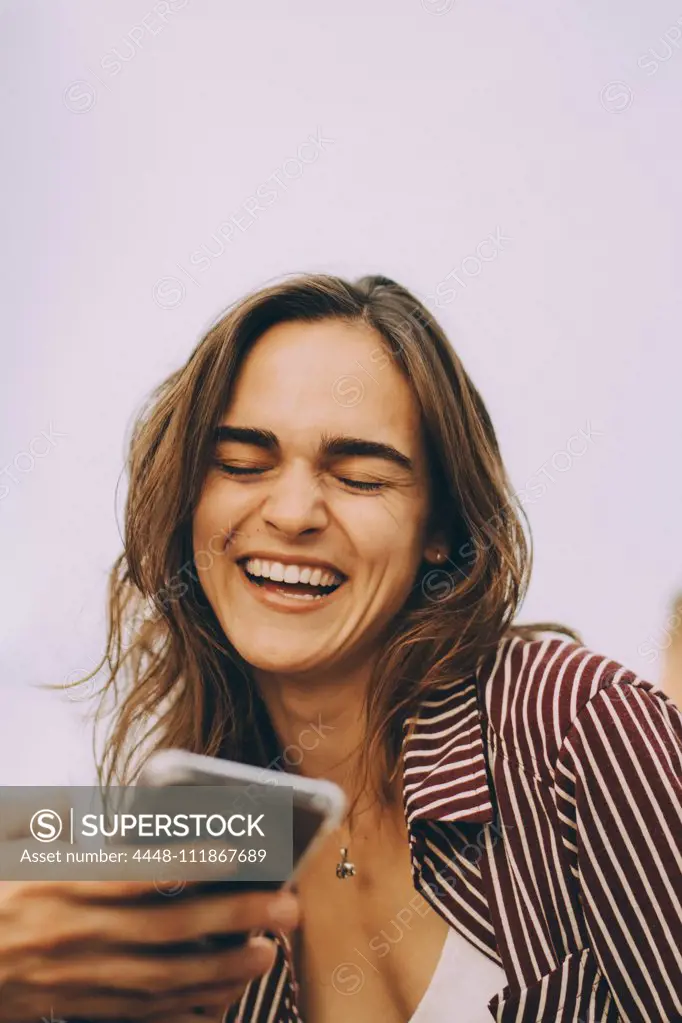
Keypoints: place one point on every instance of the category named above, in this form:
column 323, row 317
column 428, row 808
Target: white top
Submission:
column 464, row 980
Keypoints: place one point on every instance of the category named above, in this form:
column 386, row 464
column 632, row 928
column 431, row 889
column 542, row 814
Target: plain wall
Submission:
column 134, row 130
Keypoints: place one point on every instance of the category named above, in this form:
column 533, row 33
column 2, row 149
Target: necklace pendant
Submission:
column 344, row 868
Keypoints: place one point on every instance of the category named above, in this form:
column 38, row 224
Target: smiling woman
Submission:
column 310, row 483
column 357, row 558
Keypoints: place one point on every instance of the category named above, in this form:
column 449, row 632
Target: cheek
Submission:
column 230, row 500
column 215, row 512
column 386, row 521
column 210, row 532
column 201, row 528
column 390, row 538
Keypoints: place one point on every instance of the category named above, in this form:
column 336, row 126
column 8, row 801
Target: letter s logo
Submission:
column 46, row 825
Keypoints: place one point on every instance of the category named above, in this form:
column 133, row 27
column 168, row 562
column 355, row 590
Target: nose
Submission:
column 294, row 504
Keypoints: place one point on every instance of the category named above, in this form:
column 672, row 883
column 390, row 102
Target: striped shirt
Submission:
column 543, row 799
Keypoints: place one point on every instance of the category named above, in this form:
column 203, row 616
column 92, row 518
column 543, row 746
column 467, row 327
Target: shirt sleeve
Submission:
column 620, row 775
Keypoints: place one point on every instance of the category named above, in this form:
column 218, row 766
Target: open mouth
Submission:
column 298, row 582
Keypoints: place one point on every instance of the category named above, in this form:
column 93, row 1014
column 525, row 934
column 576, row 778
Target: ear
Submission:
column 437, row 549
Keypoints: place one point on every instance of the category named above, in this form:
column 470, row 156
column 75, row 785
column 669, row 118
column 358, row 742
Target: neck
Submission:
column 320, row 724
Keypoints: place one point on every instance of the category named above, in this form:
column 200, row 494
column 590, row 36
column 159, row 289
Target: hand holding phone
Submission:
column 111, row 955
column 123, row 950
column 318, row 807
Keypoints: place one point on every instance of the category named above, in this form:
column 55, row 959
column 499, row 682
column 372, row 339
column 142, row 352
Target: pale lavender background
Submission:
column 553, row 123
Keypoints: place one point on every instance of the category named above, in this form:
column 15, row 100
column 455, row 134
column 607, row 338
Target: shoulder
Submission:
column 536, row 691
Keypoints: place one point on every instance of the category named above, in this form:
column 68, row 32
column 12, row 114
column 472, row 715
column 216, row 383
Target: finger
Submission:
column 110, row 1006
column 63, row 878
column 193, row 975
column 141, row 880
column 189, row 920
column 196, row 1007
column 168, row 932
column 199, row 1014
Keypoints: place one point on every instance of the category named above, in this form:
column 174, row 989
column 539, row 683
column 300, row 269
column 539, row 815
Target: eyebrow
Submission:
column 331, row 446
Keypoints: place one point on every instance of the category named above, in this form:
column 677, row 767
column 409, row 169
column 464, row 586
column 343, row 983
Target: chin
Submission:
column 282, row 663
column 275, row 652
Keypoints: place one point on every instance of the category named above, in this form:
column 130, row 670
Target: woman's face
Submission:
column 310, row 528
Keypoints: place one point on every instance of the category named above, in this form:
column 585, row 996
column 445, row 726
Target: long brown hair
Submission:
column 171, row 677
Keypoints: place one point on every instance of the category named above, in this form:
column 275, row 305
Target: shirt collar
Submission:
column 445, row 773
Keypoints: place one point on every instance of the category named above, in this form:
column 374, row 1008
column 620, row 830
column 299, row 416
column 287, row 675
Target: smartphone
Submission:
column 318, row 808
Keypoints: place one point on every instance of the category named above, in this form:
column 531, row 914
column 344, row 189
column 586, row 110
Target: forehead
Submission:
column 331, row 376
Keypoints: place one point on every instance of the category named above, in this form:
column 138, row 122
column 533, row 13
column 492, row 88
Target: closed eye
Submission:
column 241, row 470
column 361, row 484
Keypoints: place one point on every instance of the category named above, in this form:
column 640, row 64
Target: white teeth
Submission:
column 278, row 572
